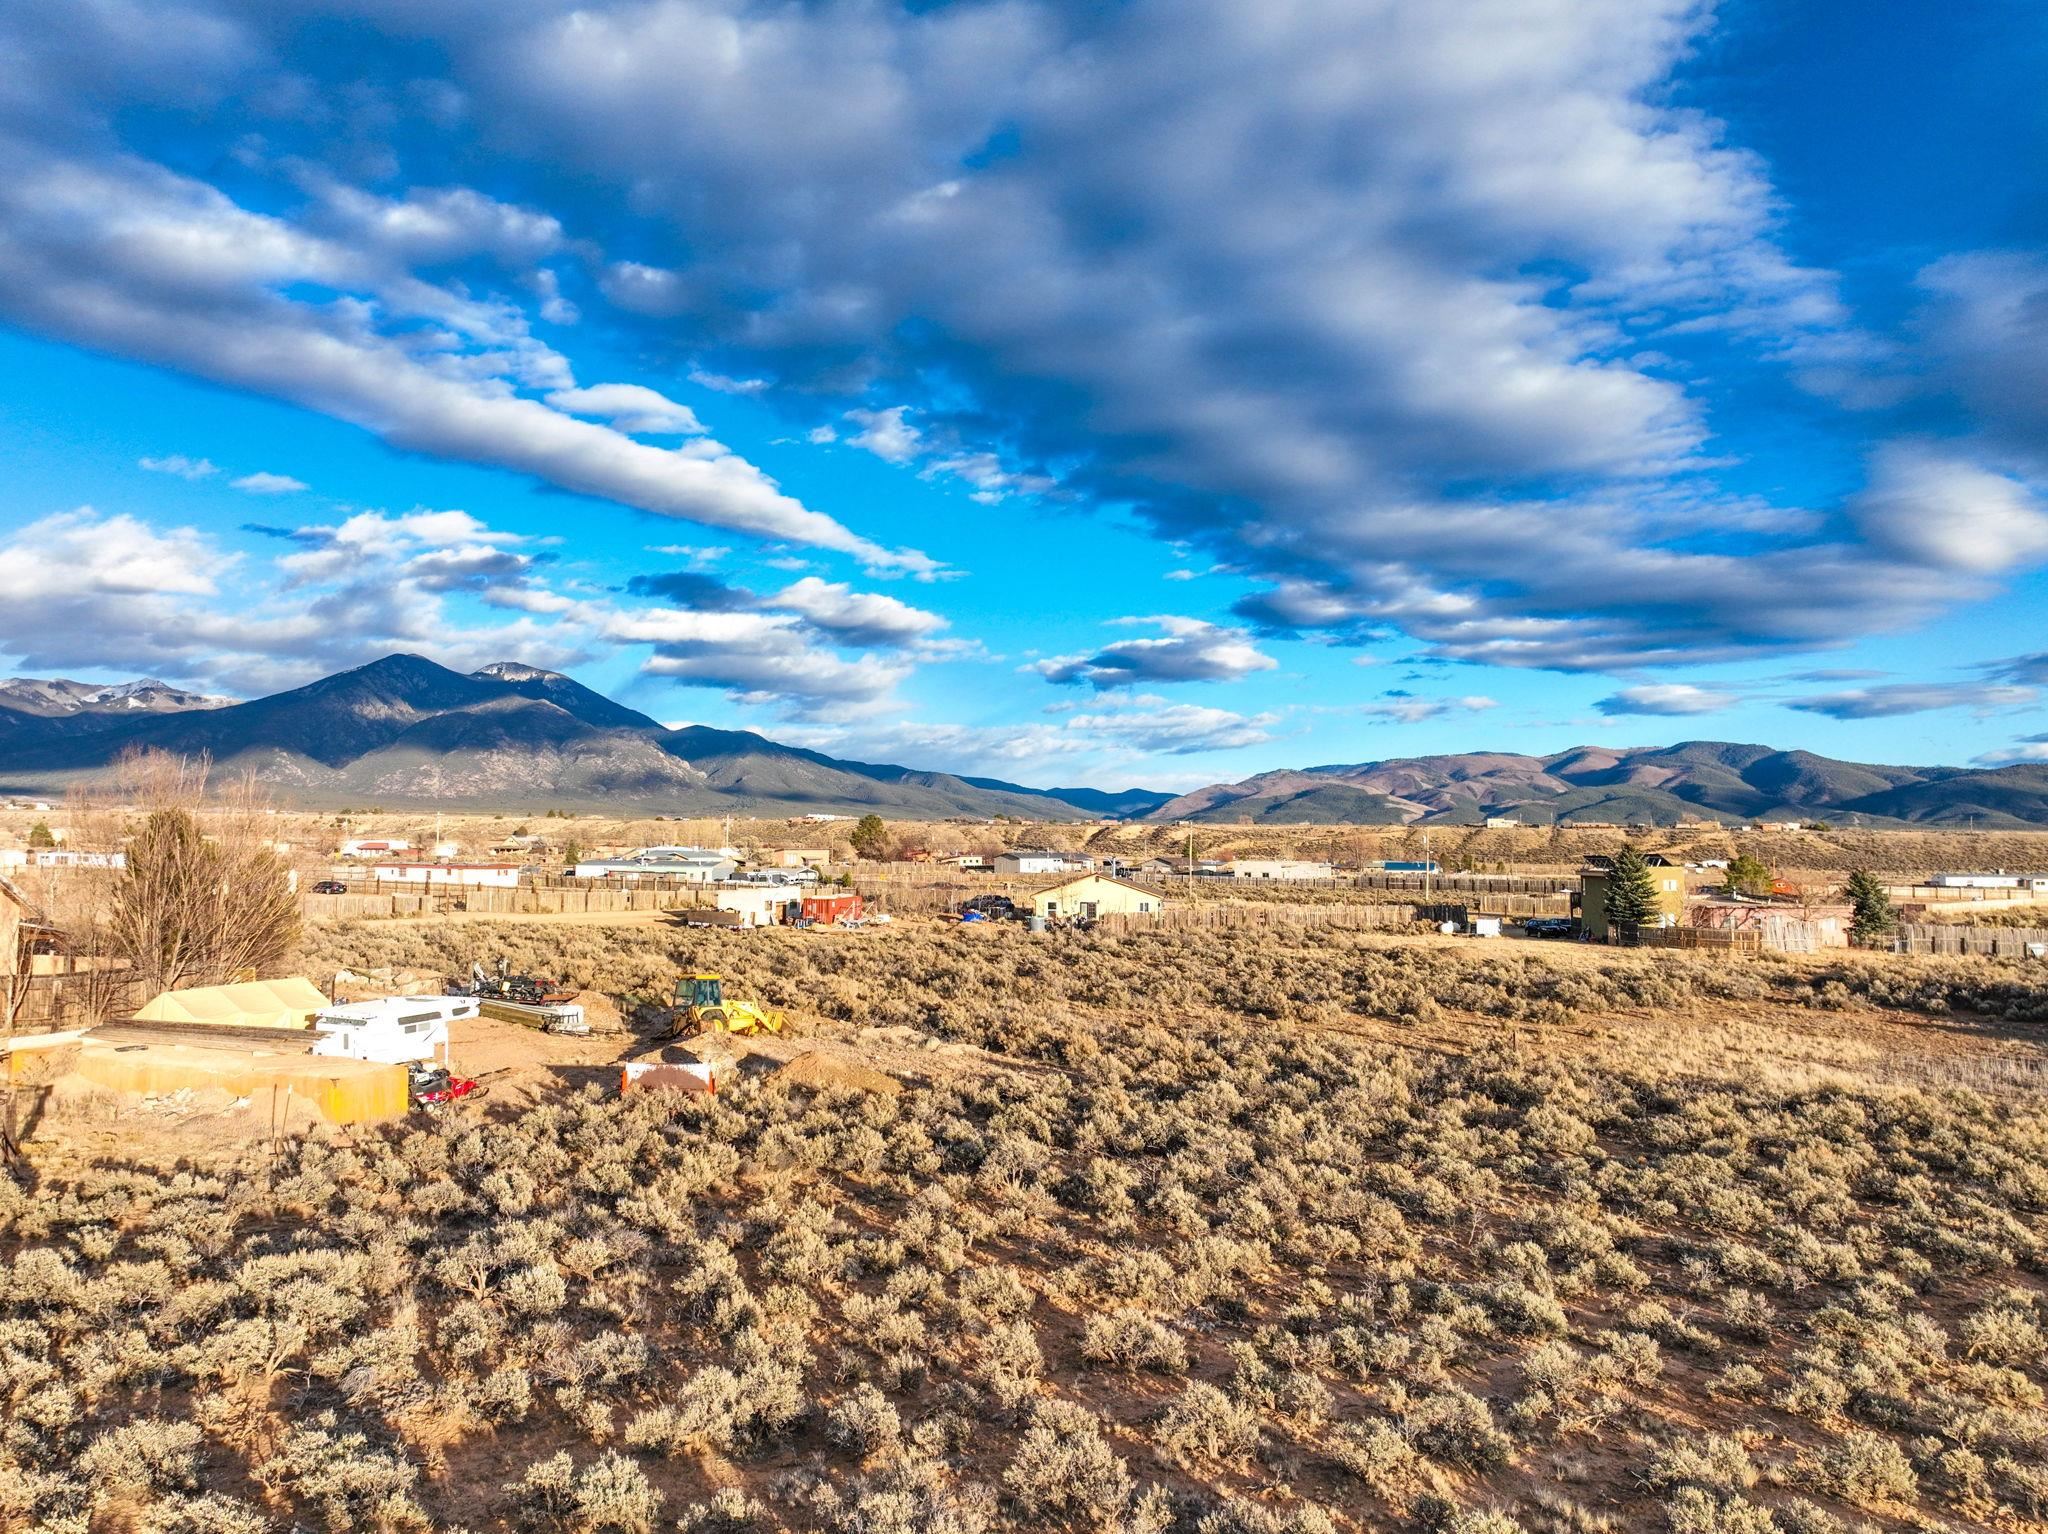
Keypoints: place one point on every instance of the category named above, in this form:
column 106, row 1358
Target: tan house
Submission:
column 1094, row 895
column 1669, row 884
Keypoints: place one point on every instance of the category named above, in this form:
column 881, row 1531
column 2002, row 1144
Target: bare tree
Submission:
column 204, row 897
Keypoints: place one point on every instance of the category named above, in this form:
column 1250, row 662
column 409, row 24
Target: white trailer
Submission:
column 394, row 1030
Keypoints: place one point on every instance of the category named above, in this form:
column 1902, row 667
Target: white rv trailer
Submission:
column 394, row 1030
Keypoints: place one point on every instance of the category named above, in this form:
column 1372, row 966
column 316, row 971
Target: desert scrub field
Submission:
column 1205, row 1273
column 968, row 982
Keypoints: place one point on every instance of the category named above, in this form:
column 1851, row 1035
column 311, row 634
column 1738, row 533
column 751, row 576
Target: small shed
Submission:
column 279, row 1004
column 756, row 905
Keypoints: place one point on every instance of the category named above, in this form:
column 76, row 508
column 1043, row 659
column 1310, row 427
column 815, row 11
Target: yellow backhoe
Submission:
column 701, row 1006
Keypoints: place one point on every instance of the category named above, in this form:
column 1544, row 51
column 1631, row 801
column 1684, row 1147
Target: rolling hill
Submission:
column 1658, row 785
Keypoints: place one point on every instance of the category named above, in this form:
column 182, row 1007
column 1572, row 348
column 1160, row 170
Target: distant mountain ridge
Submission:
column 405, row 731
column 1660, row 785
column 56, row 698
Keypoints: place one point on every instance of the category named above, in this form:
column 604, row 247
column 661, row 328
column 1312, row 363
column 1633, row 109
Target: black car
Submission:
column 1551, row 926
column 330, row 887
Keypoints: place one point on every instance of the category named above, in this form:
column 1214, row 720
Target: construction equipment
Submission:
column 701, row 1006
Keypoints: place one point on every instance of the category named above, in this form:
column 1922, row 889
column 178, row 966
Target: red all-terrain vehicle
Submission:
column 433, row 1086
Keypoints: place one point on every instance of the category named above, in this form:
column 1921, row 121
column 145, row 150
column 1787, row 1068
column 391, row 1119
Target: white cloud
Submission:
column 117, row 594
column 852, row 617
column 265, row 483
column 130, row 258
column 720, row 383
column 2033, row 748
column 1376, row 377
column 697, row 556
column 1191, row 651
column 1899, row 698
column 1928, row 505
column 1406, row 708
column 1175, row 729
column 886, row 434
column 631, row 408
column 180, row 465
column 1667, row 699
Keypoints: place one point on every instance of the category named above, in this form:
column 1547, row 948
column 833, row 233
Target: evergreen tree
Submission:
column 870, row 837
column 40, row 835
column 1871, row 915
column 1748, row 875
column 1631, row 891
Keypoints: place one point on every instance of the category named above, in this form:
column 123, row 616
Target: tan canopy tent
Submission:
column 253, row 1004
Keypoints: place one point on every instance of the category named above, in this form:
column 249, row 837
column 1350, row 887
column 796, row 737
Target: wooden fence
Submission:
column 1470, row 884
column 1719, row 939
column 1996, row 942
column 1216, row 914
column 526, row 899
column 89, row 996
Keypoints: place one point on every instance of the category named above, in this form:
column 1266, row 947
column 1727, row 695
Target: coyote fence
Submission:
column 1995, row 942
column 1214, row 914
column 524, row 900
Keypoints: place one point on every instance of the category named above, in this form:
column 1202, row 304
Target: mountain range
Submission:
column 404, row 731
column 1657, row 785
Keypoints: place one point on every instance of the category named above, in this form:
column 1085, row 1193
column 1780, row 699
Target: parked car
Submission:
column 330, row 887
column 1551, row 926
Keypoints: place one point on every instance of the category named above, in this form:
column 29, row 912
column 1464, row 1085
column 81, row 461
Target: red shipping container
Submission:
column 830, row 908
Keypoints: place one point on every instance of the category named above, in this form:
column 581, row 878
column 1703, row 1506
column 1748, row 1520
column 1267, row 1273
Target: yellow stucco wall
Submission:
column 345, row 1091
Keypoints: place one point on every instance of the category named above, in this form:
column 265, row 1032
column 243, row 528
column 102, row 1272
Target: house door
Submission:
column 1088, row 910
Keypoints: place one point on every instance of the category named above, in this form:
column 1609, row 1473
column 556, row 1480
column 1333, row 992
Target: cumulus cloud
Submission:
column 1928, row 505
column 886, row 434
column 262, row 482
column 83, row 590
column 180, row 465
column 1667, row 699
column 1914, row 698
column 1411, row 313
column 2028, row 748
column 1191, row 650
column 850, row 617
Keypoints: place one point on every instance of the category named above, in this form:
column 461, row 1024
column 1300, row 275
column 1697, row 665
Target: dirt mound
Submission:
column 601, row 1012
column 822, row 1072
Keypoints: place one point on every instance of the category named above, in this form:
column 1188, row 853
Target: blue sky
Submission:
column 1151, row 393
